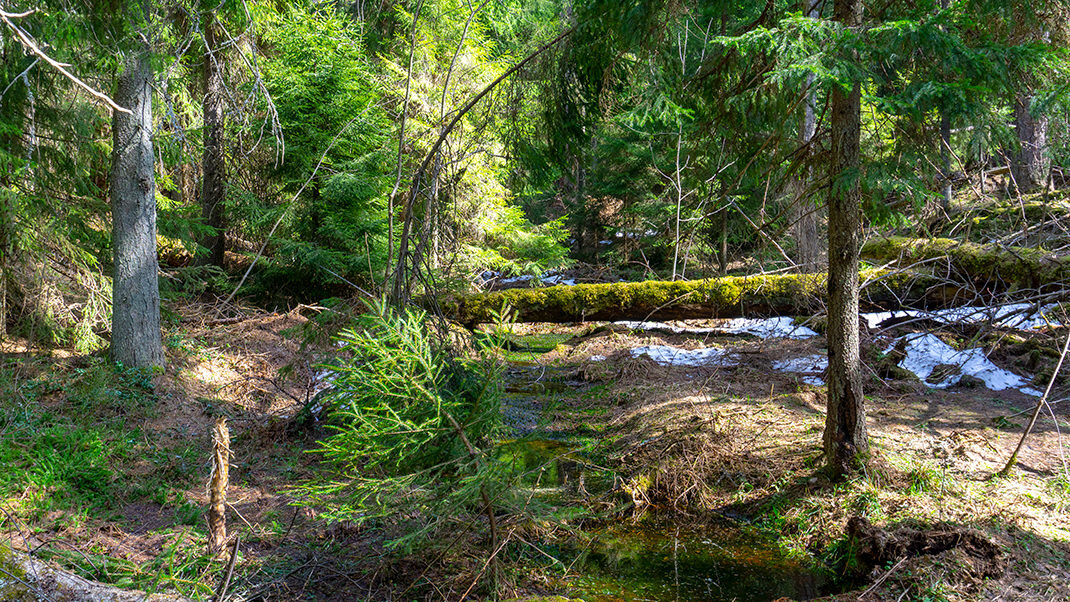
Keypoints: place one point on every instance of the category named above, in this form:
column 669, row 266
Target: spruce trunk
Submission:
column 1030, row 165
column 807, row 242
column 845, row 423
column 135, row 329
column 212, row 191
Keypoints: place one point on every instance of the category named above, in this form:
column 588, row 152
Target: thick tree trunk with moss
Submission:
column 727, row 297
column 987, row 266
column 135, row 332
column 845, row 438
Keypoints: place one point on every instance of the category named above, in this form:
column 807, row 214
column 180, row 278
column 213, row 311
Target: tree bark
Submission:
column 51, row 583
column 135, row 330
column 845, row 438
column 945, row 148
column 1030, row 165
column 217, row 488
column 807, row 243
column 212, row 191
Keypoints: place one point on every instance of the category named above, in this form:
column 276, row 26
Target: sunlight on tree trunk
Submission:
column 217, row 487
column 136, row 337
column 845, row 423
column 1030, row 165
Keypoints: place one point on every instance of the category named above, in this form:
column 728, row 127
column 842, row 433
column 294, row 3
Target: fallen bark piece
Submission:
column 727, row 297
column 989, row 265
column 876, row 547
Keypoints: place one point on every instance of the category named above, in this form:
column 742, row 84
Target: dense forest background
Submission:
column 382, row 198
column 651, row 140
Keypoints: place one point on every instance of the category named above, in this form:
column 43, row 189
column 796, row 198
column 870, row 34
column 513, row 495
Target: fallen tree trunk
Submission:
column 987, row 266
column 727, row 297
column 24, row 576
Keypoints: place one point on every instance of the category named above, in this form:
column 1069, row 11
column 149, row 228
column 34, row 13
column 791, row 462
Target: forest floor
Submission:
column 668, row 473
column 744, row 441
column 105, row 469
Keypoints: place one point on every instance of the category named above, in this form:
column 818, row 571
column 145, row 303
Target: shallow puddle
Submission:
column 717, row 563
column 632, row 562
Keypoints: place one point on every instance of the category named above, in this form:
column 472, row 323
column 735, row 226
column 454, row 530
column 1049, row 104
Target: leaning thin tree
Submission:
column 845, row 439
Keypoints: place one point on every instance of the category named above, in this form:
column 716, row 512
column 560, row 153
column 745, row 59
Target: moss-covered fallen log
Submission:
column 989, row 266
column 727, row 297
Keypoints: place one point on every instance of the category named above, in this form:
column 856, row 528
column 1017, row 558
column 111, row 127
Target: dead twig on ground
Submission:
column 1041, row 404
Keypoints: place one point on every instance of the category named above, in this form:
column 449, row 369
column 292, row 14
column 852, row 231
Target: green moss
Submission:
column 716, row 298
column 1016, row 267
column 11, row 577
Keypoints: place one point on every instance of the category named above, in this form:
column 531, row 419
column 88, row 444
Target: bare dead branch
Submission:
column 28, row 42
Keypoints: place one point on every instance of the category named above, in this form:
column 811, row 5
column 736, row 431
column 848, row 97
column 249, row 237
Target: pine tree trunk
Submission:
column 1030, row 164
column 845, row 424
column 136, row 338
column 945, row 163
column 212, row 191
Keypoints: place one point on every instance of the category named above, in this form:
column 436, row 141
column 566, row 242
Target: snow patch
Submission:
column 559, row 281
column 810, row 367
column 674, row 356
column 766, row 328
column 812, row 363
column 1020, row 316
column 769, row 328
column 664, row 326
column 924, row 352
column 597, row 358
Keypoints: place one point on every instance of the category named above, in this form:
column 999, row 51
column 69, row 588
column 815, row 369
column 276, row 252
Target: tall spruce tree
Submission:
column 845, row 424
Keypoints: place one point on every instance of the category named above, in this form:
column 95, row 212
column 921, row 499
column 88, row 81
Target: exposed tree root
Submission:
column 876, row 547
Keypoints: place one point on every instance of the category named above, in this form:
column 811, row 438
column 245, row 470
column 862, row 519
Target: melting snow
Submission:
column 674, row 356
column 766, row 328
column 558, row 280
column 597, row 358
column 664, row 326
column 810, row 367
column 550, row 279
column 924, row 352
column 1015, row 315
column 811, row 363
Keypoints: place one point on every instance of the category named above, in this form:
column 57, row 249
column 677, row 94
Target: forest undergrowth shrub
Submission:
column 417, row 436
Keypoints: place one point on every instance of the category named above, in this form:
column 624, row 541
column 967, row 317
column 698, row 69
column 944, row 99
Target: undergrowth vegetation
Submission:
column 70, row 436
column 417, row 447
